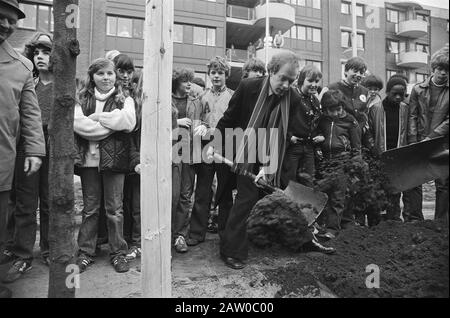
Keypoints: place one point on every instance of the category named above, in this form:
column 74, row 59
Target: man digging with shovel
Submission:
column 258, row 103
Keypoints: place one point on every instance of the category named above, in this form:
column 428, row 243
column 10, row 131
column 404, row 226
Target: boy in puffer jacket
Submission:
column 340, row 129
column 342, row 134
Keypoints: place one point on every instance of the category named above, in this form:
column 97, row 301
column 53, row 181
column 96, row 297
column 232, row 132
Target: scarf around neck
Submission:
column 102, row 97
column 274, row 141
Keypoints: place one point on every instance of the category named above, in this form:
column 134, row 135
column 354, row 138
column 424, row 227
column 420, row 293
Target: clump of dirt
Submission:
column 412, row 260
column 276, row 219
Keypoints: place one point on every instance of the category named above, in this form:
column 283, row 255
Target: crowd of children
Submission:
column 343, row 117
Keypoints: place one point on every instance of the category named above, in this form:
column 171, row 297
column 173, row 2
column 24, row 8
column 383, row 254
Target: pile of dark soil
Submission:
column 412, row 260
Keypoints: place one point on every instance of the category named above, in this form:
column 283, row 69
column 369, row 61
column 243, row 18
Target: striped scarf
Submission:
column 275, row 139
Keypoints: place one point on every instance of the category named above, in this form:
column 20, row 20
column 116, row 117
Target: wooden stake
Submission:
column 156, row 150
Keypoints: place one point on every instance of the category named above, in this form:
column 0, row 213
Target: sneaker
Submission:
column 7, row 257
column 83, row 262
column 213, row 227
column 18, row 268
column 133, row 253
column 180, row 245
column 120, row 264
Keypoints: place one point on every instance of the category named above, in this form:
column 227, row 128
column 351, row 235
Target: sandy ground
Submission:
column 198, row 273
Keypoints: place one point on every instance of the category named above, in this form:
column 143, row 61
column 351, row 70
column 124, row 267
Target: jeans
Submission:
column 299, row 158
column 184, row 175
column 132, row 209
column 91, row 183
column 441, row 212
column 29, row 191
column 333, row 215
column 203, row 198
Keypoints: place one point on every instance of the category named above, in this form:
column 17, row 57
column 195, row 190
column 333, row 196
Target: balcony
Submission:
column 282, row 16
column 412, row 59
column 415, row 29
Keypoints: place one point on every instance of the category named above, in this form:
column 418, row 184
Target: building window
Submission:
column 422, row 17
column 303, row 33
column 392, row 46
column 392, row 16
column 390, row 73
column 111, row 26
column 346, row 8
column 316, row 35
column 138, row 29
column 346, row 40
column 421, row 77
column 317, row 64
column 300, row 3
column 360, row 41
column 38, row 17
column 422, row 48
column 316, row 4
column 178, row 33
column 204, row 36
column 125, row 27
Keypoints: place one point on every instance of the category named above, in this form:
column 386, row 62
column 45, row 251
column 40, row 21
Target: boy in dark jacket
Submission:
column 342, row 134
column 388, row 122
column 303, row 120
column 429, row 117
column 340, row 129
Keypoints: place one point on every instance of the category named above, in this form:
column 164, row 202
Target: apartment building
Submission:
column 393, row 36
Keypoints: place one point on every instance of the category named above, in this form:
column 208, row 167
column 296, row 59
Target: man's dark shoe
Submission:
column 83, row 261
column 5, row 292
column 233, row 263
column 193, row 242
column 16, row 271
column 7, row 257
column 120, row 264
column 314, row 246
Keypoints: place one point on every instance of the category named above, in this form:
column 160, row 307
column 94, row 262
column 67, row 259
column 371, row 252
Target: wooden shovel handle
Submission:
column 263, row 183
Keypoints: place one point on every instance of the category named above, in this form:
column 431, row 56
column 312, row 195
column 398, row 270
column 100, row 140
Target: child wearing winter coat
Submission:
column 342, row 134
column 103, row 121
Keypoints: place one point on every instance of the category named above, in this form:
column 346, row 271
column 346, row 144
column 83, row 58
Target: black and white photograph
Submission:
column 228, row 155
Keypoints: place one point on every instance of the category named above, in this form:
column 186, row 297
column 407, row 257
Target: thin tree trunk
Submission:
column 63, row 278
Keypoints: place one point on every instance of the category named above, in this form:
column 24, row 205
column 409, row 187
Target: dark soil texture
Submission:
column 412, row 259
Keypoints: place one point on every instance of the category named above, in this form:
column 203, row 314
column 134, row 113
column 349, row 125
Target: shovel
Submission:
column 410, row 166
column 295, row 191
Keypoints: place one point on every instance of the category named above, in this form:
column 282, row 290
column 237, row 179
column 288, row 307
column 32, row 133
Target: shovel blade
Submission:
column 306, row 195
column 413, row 165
